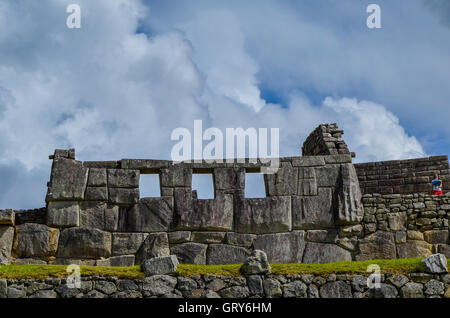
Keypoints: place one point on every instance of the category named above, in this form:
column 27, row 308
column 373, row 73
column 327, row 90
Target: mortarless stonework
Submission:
column 314, row 212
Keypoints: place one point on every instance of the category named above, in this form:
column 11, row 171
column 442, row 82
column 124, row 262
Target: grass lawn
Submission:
column 394, row 266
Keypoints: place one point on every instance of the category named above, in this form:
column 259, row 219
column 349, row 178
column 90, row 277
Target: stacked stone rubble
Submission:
column 326, row 139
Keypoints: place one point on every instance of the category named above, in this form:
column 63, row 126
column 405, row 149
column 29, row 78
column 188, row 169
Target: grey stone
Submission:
column 121, row 261
column 63, row 214
column 158, row 285
column 178, row 175
column 186, row 284
column 6, row 243
column 127, row 294
column 151, row 215
column 64, row 291
column 190, row 253
column 322, row 236
column 7, row 217
column 255, row 284
column 380, row 245
column 282, row 247
column 412, row 290
column 398, row 280
column 155, row 245
column 328, row 176
column 96, row 194
column 44, row 294
column 97, row 177
column 308, row 161
column 80, row 242
column 68, row 180
column 240, row 239
column 179, row 237
column 414, row 236
column 208, row 237
column 436, row 236
column 216, row 285
column 295, row 289
column 105, row 287
column 15, row 291
column 444, row 249
column 123, row 178
column 126, row 284
column 226, row 254
column 385, row 291
column 350, row 208
column 127, row 243
column 211, row 294
column 264, row 215
column 3, row 288
column 160, row 265
column 421, row 277
column 413, row 249
column 313, row 212
column 284, row 182
column 359, row 283
column 435, row 264
column 256, row 264
column 434, row 287
column 35, row 240
column 234, row 292
column 338, row 289
column 313, row 291
column 29, row 261
column 75, row 261
column 229, row 178
column 272, row 288
column 325, row 253
column 94, row 294
column 397, row 221
column 124, row 195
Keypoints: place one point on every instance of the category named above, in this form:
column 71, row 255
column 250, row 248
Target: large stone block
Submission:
column 97, row 177
column 229, row 178
column 264, row 215
column 7, row 217
column 240, row 239
column 123, row 178
column 177, row 175
column 123, row 195
column 328, row 176
column 99, row 215
column 67, row 181
column 308, row 161
column 81, row 242
column 313, row 212
column 63, row 214
column 204, row 215
column 127, row 243
column 155, row 245
column 96, row 194
column 350, row 208
column 282, row 247
column 437, row 236
column 397, row 221
column 190, row 253
column 6, row 243
column 114, row 261
column 319, row 253
column 338, row 289
column 413, row 249
column 444, row 249
column 150, row 215
column 380, row 245
column 35, row 240
column 282, row 183
column 218, row 254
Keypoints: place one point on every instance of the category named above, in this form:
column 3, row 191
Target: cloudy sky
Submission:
column 137, row 69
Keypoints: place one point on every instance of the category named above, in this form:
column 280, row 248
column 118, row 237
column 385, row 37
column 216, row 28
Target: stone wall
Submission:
column 326, row 139
column 403, row 176
column 414, row 285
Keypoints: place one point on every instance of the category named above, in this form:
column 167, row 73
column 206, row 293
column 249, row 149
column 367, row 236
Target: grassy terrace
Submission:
column 396, row 266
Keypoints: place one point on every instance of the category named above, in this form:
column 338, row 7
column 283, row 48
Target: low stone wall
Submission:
column 415, row 285
column 403, row 176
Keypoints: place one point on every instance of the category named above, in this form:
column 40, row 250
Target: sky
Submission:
column 138, row 69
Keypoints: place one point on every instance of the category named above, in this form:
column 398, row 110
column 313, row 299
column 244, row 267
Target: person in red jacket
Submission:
column 437, row 185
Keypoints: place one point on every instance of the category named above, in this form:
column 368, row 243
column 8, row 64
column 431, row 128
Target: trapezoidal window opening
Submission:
column 203, row 185
column 255, row 186
column 149, row 186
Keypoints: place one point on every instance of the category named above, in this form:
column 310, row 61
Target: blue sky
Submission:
column 137, row 69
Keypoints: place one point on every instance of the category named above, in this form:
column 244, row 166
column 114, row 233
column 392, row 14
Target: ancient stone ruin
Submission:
column 319, row 208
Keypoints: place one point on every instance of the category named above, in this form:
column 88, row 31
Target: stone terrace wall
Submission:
column 403, row 176
column 414, row 285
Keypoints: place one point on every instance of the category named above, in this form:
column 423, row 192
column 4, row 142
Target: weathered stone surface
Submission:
column 3, row 288
column 325, row 253
column 178, row 175
column 328, row 176
column 256, row 264
column 123, row 178
column 68, row 180
column 397, row 221
column 6, row 243
column 284, row 182
column 385, row 291
column 96, row 194
column 338, row 289
column 295, row 289
column 7, row 217
column 97, row 177
column 350, row 209
column 75, row 261
column 123, row 195
column 127, row 243
column 412, row 290
column 190, row 253
column 160, row 265
column 436, row 236
column 63, row 214
column 179, row 237
column 16, row 291
column 204, row 215
column 150, row 215
column 94, row 294
column 208, row 237
column 240, row 239
column 444, row 249
column 122, row 260
column 80, row 242
column 159, row 285
column 322, row 236
column 35, row 240
column 155, row 245
column 435, row 264
column 272, row 288
column 234, row 292
column 380, row 245
column 229, row 178
column 308, row 161
column 412, row 249
column 282, row 247
column 64, row 291
column 255, row 285
column 434, row 287
column 264, row 215
column 226, row 254
column 414, row 236
column 398, row 280
column 29, row 261
column 105, row 287
column 313, row 212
